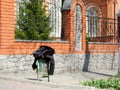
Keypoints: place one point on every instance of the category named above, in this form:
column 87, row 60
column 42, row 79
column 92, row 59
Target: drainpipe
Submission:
column 114, row 15
column 118, row 15
column 119, row 41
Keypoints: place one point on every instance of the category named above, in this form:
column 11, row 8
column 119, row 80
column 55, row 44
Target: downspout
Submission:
column 114, row 15
column 118, row 15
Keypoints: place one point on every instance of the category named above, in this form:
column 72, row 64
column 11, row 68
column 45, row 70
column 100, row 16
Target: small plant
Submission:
column 113, row 82
column 88, row 39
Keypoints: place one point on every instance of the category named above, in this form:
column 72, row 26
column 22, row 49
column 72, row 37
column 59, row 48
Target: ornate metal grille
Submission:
column 102, row 29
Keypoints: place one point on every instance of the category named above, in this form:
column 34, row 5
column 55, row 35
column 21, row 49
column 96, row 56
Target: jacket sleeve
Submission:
column 51, row 64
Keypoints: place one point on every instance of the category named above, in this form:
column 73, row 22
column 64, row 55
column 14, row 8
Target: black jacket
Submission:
column 45, row 53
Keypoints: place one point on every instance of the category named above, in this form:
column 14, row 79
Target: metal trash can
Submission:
column 42, row 69
column 45, row 62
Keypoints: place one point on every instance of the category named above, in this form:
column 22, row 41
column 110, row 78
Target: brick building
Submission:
column 88, row 33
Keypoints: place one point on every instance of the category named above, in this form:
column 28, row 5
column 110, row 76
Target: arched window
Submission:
column 55, row 17
column 78, row 28
column 92, row 21
column 92, row 11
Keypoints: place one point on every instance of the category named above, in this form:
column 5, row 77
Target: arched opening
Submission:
column 92, row 21
column 78, row 28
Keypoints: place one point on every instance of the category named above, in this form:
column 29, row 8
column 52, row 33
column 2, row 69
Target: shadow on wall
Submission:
column 87, row 60
column 86, row 63
column 110, row 60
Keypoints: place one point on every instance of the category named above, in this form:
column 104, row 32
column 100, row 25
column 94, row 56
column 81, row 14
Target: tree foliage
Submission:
column 32, row 22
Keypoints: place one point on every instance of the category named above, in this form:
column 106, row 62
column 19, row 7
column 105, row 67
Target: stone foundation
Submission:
column 63, row 62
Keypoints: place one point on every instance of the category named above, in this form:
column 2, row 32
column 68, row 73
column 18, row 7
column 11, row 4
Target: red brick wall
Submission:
column 66, row 25
column 8, row 45
column 102, row 48
column 7, row 24
column 29, row 47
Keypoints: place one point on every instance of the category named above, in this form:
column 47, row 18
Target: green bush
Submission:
column 19, row 34
column 113, row 82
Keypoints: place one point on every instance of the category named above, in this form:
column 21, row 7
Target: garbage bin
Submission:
column 45, row 61
column 42, row 70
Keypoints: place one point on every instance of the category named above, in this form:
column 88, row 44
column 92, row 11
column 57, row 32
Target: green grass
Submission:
column 113, row 82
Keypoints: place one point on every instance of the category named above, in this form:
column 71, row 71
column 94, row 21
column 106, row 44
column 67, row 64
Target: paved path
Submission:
column 14, row 85
column 69, row 81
